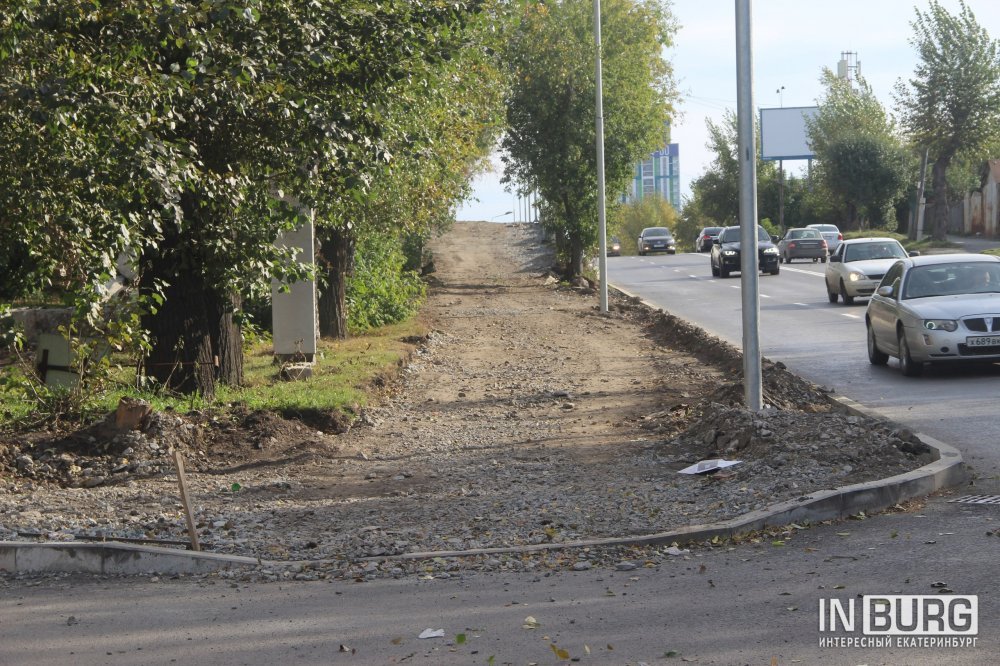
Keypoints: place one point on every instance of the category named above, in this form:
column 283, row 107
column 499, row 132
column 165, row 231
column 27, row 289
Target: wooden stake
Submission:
column 188, row 514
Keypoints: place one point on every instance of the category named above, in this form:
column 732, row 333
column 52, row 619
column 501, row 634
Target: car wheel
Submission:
column 848, row 299
column 832, row 295
column 777, row 269
column 875, row 355
column 822, row 259
column 907, row 365
column 715, row 271
column 723, row 272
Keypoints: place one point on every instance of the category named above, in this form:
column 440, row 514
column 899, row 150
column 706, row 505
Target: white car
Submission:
column 857, row 265
column 831, row 234
column 942, row 307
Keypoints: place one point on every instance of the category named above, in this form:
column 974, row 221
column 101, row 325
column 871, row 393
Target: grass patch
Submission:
column 926, row 243
column 347, row 376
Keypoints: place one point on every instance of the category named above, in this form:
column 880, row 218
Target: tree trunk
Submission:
column 337, row 260
column 227, row 337
column 576, row 256
column 181, row 357
column 940, row 184
column 852, row 215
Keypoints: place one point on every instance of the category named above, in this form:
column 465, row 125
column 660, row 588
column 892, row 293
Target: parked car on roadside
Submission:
column 705, row 237
column 725, row 256
column 942, row 307
column 830, row 233
column 857, row 266
column 802, row 244
column 656, row 239
column 614, row 247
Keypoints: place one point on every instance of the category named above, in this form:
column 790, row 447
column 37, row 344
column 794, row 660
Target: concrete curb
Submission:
column 112, row 558
column 124, row 559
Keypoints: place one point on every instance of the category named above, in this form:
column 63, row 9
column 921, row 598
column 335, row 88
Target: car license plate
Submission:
column 983, row 341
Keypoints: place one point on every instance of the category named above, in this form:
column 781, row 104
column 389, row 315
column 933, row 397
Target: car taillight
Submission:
column 824, row 243
column 840, row 236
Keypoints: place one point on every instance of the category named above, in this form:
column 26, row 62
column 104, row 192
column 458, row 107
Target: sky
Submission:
column 793, row 40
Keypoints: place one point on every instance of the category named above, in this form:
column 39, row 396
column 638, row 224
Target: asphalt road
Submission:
column 747, row 604
column 825, row 343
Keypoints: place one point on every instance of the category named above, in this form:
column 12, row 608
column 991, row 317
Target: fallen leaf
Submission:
column 459, row 639
column 843, row 534
column 397, row 641
column 530, row 623
column 559, row 652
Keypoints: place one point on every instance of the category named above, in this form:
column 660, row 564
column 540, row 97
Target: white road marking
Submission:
column 852, row 316
column 805, row 305
column 764, row 296
column 799, row 270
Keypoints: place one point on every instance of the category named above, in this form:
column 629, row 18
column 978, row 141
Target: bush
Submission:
column 381, row 290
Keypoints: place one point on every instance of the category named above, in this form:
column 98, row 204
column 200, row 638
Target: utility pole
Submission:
column 749, row 267
column 602, row 235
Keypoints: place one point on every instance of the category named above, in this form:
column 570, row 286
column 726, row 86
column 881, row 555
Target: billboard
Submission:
column 783, row 133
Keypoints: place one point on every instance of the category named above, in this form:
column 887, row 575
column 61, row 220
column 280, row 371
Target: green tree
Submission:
column 171, row 129
column 952, row 104
column 438, row 123
column 860, row 160
column 550, row 141
column 716, row 194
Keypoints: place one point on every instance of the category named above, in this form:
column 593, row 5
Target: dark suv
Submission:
column 726, row 252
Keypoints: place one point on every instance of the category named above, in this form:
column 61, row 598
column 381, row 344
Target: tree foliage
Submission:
column 715, row 195
column 951, row 105
column 550, row 141
column 170, row 131
column 861, row 162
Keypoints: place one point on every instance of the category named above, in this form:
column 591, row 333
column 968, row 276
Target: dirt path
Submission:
column 527, row 417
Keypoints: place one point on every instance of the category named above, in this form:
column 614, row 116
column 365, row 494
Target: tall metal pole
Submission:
column 602, row 245
column 752, row 377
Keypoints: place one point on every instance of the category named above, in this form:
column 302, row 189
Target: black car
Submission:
column 704, row 241
column 656, row 239
column 726, row 252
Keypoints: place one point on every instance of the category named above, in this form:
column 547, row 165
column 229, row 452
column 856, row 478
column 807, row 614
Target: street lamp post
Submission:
column 501, row 215
column 602, row 260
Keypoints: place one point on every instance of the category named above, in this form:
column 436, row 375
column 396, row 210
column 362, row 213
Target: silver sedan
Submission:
column 943, row 307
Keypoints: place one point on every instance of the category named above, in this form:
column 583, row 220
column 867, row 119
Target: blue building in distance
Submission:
column 659, row 175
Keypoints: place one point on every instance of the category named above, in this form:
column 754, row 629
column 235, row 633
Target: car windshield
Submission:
column 711, row 231
column 656, row 232
column 826, row 228
column 732, row 235
column 876, row 250
column 951, row 279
